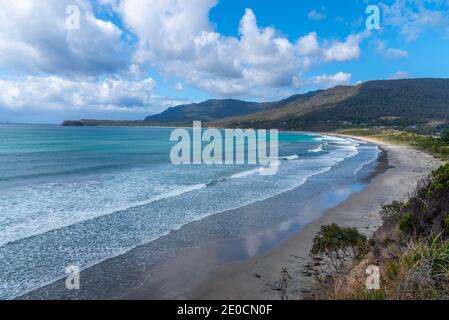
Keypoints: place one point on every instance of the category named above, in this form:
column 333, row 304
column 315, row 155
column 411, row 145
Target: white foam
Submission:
column 13, row 230
column 245, row 173
column 364, row 164
column 29, row 211
column 63, row 204
column 316, row 150
column 330, row 139
column 184, row 210
column 292, row 157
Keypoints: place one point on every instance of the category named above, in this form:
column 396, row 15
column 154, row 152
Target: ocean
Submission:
column 79, row 196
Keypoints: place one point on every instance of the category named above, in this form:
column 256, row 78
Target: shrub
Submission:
column 338, row 244
column 446, row 224
column 445, row 136
column 440, row 182
column 425, row 269
column 407, row 223
column 392, row 213
column 420, row 272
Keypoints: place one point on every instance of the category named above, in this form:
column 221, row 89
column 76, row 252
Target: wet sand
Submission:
column 257, row 278
column 216, row 260
column 174, row 265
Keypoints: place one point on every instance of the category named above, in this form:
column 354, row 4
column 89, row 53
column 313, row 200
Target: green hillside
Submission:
column 420, row 105
column 413, row 103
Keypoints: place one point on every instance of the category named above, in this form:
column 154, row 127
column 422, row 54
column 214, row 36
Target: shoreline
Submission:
column 250, row 279
column 223, row 269
column 150, row 271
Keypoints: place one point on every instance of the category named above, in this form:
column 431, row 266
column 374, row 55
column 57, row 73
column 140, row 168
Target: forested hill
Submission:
column 399, row 103
column 408, row 103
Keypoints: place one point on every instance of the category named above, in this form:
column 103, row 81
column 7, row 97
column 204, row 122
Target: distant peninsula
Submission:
column 108, row 123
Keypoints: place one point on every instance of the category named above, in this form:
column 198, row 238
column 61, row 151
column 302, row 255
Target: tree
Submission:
column 338, row 244
column 445, row 136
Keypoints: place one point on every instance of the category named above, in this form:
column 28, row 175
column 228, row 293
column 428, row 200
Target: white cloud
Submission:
column 34, row 38
column 413, row 17
column 329, row 81
column 390, row 53
column 95, row 69
column 316, row 15
column 311, row 51
column 179, row 86
column 178, row 39
column 56, row 93
column 308, row 45
column 347, row 50
column 400, row 75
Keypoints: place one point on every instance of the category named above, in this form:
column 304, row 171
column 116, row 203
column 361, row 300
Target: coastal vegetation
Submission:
column 336, row 245
column 411, row 249
column 437, row 145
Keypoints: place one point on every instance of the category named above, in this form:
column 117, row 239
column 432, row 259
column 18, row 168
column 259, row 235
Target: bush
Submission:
column 407, row 223
column 445, row 136
column 414, row 263
column 338, row 244
column 436, row 252
column 420, row 272
column 392, row 213
column 440, row 181
column 446, row 224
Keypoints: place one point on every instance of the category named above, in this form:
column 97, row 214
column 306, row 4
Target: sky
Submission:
column 127, row 59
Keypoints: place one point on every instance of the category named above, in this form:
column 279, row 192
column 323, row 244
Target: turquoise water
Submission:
column 82, row 195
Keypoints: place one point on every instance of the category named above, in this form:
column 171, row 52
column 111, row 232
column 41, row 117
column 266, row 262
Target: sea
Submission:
column 82, row 195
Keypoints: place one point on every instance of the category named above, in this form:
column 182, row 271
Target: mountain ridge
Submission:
column 413, row 103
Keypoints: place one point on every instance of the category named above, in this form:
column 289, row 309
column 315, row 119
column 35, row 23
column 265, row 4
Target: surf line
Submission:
column 235, row 146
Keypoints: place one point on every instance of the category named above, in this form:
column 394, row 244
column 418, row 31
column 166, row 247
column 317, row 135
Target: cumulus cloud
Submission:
column 178, row 39
column 308, row 45
column 56, row 93
column 346, row 50
column 329, row 81
column 95, row 67
column 34, row 39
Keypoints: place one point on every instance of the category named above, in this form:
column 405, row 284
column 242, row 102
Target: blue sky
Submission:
column 126, row 59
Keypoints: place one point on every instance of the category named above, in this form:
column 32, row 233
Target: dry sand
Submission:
column 257, row 278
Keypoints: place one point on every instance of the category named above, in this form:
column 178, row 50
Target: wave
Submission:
column 99, row 211
column 245, row 173
column 327, row 161
column 330, row 138
column 292, row 157
column 5, row 239
column 316, row 150
column 14, row 231
column 170, row 194
column 11, row 294
column 260, row 170
column 364, row 164
column 60, row 173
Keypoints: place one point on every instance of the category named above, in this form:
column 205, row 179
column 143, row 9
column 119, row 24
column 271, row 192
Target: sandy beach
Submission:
column 239, row 254
column 256, row 278
column 175, row 264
